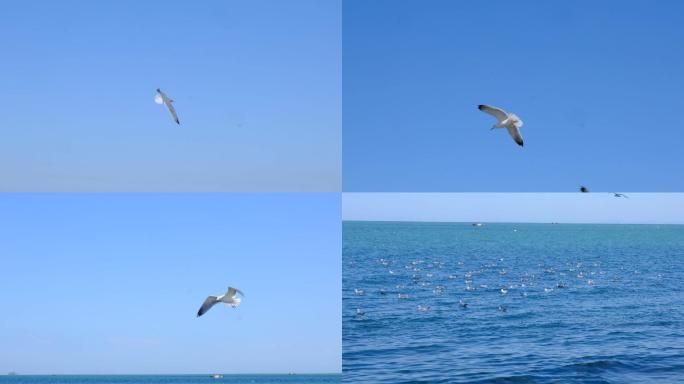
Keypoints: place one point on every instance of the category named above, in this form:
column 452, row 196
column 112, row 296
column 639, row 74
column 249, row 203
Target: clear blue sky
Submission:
column 257, row 87
column 639, row 208
column 599, row 85
column 111, row 283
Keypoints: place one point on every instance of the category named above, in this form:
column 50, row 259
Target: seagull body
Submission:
column 161, row 98
column 510, row 121
column 231, row 298
column 620, row 195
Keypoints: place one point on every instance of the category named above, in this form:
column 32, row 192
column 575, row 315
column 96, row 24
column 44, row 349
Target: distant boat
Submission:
column 11, row 374
column 478, row 225
column 216, row 376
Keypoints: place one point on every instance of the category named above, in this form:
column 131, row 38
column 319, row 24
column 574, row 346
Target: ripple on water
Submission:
column 582, row 303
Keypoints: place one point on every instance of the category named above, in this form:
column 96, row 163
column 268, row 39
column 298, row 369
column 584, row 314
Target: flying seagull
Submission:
column 584, row 189
column 231, row 298
column 161, row 98
column 510, row 121
column 620, row 195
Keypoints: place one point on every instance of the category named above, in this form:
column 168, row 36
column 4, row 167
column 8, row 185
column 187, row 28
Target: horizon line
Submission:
column 11, row 373
column 500, row 222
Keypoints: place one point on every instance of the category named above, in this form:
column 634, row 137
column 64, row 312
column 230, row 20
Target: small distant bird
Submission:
column 161, row 98
column 510, row 121
column 462, row 304
column 503, row 308
column 360, row 312
column 615, row 194
column 584, row 189
column 231, row 298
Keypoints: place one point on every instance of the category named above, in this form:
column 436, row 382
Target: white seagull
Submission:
column 161, row 98
column 510, row 121
column 231, row 298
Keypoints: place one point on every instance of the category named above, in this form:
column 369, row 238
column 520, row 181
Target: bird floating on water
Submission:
column 161, row 98
column 510, row 121
column 230, row 297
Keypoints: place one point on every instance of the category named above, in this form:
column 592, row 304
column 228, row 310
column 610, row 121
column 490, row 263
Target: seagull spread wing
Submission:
column 232, row 291
column 161, row 98
column 173, row 112
column 515, row 134
column 499, row 113
column 208, row 303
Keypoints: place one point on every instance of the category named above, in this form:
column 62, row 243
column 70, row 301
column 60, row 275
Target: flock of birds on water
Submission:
column 513, row 123
column 414, row 279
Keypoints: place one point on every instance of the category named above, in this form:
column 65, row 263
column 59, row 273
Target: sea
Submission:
column 170, row 379
column 512, row 303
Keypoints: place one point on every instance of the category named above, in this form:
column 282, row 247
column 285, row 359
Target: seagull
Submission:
column 510, row 121
column 620, row 195
column 161, row 98
column 584, row 189
column 229, row 298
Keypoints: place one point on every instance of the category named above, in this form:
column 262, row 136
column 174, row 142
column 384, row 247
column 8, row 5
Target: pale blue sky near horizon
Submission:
column 257, row 87
column 111, row 283
column 598, row 85
column 637, row 208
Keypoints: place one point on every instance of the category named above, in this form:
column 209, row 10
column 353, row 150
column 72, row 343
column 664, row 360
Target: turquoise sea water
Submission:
column 540, row 303
column 171, row 379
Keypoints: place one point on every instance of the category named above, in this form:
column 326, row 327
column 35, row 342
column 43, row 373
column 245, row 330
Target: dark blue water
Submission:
column 544, row 303
column 172, row 379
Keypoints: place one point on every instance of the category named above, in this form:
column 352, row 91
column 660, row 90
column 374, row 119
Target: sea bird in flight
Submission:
column 161, row 98
column 231, row 298
column 510, row 121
